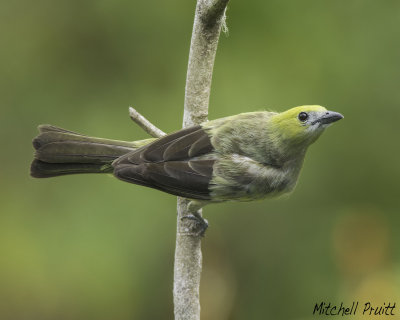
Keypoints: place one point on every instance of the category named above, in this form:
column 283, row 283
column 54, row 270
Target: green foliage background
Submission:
column 92, row 247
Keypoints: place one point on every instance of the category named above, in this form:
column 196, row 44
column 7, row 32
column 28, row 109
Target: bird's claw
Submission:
column 199, row 226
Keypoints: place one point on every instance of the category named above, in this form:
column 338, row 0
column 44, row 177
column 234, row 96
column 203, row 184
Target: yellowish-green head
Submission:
column 302, row 125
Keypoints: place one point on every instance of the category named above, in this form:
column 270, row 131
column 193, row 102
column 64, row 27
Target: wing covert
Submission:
column 172, row 164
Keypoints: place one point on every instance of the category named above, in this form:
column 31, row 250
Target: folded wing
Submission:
column 173, row 164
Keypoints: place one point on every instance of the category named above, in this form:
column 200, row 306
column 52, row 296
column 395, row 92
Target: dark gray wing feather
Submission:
column 154, row 152
column 179, row 149
column 201, row 146
column 171, row 164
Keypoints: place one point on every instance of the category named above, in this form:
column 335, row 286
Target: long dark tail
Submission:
column 61, row 152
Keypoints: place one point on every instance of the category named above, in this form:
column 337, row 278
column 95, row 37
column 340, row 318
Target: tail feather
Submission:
column 40, row 169
column 50, row 128
column 61, row 152
column 49, row 134
column 81, row 152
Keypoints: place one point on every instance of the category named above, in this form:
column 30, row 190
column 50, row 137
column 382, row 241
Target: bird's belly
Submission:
column 243, row 179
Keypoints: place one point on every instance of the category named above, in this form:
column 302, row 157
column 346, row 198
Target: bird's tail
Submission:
column 61, row 152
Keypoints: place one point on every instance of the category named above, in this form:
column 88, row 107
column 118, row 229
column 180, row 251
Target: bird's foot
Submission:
column 199, row 225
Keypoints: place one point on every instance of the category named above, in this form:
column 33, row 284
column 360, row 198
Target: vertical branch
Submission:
column 209, row 18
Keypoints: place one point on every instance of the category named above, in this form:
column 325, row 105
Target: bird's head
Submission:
column 301, row 126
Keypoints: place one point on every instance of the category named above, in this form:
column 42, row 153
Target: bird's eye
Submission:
column 303, row 116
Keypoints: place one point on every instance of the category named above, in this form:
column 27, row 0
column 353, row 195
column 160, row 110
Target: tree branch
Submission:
column 209, row 18
column 216, row 11
column 145, row 124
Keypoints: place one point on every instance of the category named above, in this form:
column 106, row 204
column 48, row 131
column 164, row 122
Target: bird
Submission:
column 244, row 157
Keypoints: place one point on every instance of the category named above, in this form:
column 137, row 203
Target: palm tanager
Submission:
column 242, row 157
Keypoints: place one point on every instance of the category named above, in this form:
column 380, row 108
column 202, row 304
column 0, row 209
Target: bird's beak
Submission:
column 329, row 117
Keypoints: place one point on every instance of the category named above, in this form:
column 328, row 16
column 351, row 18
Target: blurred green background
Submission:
column 93, row 247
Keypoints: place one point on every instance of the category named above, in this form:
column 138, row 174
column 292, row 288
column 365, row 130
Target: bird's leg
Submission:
column 196, row 205
column 200, row 224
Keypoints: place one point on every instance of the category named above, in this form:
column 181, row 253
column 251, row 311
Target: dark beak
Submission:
column 329, row 117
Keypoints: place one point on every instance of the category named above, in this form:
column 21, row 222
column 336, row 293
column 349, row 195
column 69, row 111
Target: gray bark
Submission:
column 145, row 124
column 209, row 18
